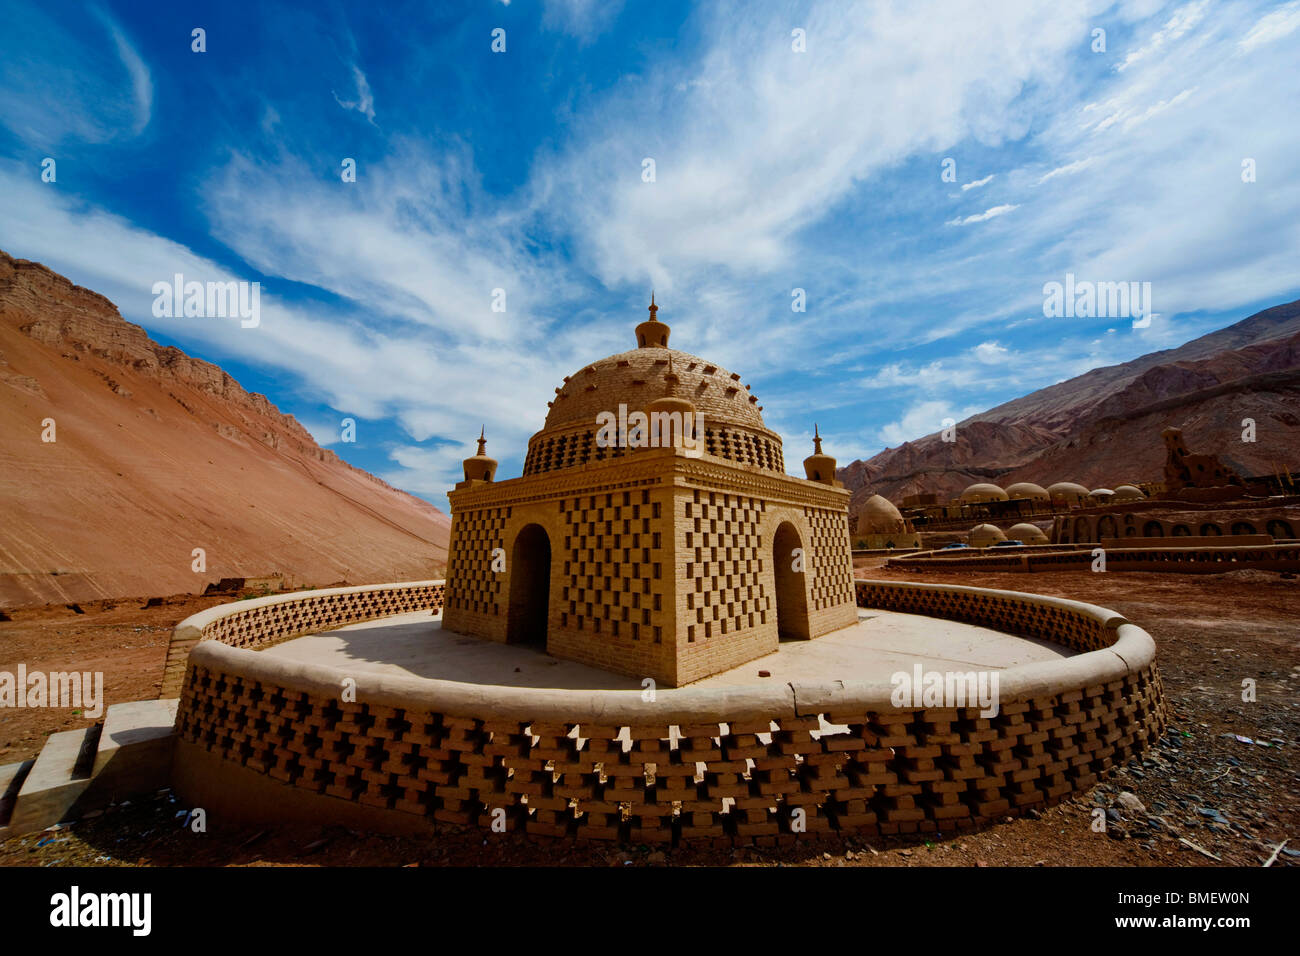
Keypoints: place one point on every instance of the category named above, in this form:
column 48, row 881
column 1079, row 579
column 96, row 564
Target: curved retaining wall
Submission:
column 260, row 738
column 260, row 622
column 1198, row 560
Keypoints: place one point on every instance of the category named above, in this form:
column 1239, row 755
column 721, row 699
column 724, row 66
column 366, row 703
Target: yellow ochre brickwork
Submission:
column 261, row 622
column 775, row 778
column 654, row 562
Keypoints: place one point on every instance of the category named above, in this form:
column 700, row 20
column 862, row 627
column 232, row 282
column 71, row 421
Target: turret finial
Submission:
column 818, row 466
column 653, row 308
column 479, row 467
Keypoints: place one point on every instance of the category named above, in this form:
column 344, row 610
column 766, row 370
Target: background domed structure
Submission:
column 1128, row 493
column 1029, row 490
column 982, row 491
column 1101, row 495
column 1068, row 493
column 1028, row 533
column 877, row 515
column 985, row 535
column 877, row 523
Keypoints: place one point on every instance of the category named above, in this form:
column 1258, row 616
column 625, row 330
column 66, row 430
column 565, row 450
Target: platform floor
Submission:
column 882, row 642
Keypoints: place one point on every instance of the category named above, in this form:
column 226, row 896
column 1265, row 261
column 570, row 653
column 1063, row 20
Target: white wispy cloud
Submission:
column 582, row 19
column 1183, row 19
column 985, row 216
column 402, row 239
column 921, row 419
column 106, row 96
column 430, row 470
column 760, row 151
column 365, row 100
column 1065, row 170
column 1272, row 27
column 141, row 80
column 977, row 183
column 990, row 353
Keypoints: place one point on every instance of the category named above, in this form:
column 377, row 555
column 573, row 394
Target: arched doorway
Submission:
column 530, row 587
column 1280, row 529
column 1107, row 527
column 1153, row 529
column 791, row 596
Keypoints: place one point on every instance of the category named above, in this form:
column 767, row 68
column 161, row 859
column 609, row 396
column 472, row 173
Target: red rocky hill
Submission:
column 1103, row 428
column 159, row 453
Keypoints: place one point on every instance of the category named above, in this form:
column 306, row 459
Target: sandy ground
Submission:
column 1201, row 784
column 122, row 638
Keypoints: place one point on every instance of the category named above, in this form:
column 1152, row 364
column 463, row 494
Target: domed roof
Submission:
column 1027, row 489
column 1028, row 533
column 1101, row 493
column 877, row 515
column 728, row 415
column 879, row 504
column 983, row 535
column 983, row 491
column 638, row 377
column 1067, row 489
column 1129, row 493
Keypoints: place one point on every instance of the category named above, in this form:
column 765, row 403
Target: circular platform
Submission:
column 879, row 645
column 352, row 705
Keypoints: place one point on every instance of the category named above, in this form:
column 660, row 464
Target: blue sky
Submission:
column 774, row 170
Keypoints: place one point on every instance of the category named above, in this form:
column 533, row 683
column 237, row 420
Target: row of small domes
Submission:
column 1067, row 491
column 984, row 535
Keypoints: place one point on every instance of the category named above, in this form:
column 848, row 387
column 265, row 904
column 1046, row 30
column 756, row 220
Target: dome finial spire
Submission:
column 482, row 439
column 819, row 466
column 652, row 334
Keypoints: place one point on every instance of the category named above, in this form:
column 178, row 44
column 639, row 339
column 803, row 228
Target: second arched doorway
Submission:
column 788, row 563
column 530, row 587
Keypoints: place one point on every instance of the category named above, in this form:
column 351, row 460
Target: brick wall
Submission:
column 695, row 765
column 1170, row 558
column 264, row 621
column 615, row 606
column 476, row 601
column 726, row 611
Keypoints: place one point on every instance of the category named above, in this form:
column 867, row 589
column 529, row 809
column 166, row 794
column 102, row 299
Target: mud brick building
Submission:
column 673, row 562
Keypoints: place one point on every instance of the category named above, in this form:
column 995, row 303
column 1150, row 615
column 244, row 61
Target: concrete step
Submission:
column 60, row 775
column 135, row 750
column 80, row 770
column 12, row 776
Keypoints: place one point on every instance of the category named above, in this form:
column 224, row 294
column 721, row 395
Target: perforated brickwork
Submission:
column 828, row 557
column 722, row 561
column 262, row 623
column 556, row 450
column 1199, row 560
column 477, row 589
column 617, row 565
column 868, row 771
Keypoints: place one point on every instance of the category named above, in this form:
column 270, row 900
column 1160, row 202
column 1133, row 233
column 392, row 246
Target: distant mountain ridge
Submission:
column 158, row 453
column 1103, row 427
